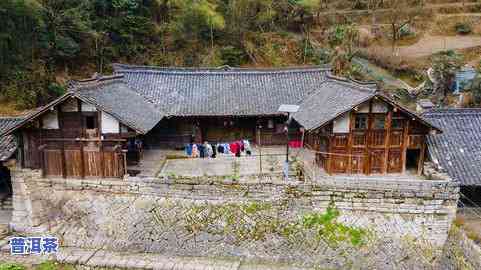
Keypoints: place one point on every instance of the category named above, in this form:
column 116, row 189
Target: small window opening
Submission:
column 379, row 122
column 361, row 122
column 90, row 122
column 397, row 123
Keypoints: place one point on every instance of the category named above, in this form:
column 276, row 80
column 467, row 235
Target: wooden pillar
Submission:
column 42, row 161
column 350, row 140
column 367, row 153
column 101, row 149
column 387, row 140
column 39, row 146
column 421, row 157
column 83, row 135
column 404, row 146
column 62, row 150
column 82, row 159
column 329, row 156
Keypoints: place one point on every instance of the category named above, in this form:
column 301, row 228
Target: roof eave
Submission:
column 33, row 116
column 99, row 107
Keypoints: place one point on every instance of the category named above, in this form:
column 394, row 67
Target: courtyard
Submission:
column 265, row 160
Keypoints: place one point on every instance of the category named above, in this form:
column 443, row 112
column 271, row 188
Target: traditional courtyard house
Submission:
column 82, row 133
column 458, row 149
column 351, row 125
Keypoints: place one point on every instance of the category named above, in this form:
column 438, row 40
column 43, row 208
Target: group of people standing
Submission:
column 207, row 150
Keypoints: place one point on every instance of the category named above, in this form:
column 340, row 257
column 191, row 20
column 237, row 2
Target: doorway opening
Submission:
column 412, row 159
column 5, row 190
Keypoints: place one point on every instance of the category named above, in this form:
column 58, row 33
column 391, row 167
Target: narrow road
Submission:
column 429, row 45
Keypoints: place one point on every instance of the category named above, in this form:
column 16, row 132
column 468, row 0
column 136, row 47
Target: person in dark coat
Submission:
column 214, row 151
column 201, row 150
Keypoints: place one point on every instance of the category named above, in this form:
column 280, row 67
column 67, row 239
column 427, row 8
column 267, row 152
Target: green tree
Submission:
column 475, row 88
column 444, row 66
column 65, row 24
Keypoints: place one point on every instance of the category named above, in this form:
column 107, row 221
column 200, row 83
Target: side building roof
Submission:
column 458, row 148
column 113, row 96
column 109, row 94
column 332, row 98
column 8, row 145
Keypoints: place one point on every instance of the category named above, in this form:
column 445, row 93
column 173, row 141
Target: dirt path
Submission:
column 429, row 45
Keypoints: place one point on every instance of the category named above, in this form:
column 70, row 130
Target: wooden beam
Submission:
column 387, row 140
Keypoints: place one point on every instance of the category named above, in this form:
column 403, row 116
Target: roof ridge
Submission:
column 360, row 85
column 19, row 117
column 97, row 80
column 453, row 111
column 121, row 68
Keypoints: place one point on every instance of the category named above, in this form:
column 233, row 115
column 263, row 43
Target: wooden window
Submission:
column 379, row 122
column 394, row 161
column 397, row 123
column 359, row 139
column 90, row 122
column 396, row 138
column 361, row 121
column 340, row 140
column 377, row 161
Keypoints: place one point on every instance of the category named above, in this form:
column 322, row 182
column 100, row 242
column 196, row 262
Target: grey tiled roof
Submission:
column 8, row 144
column 332, row 98
column 222, row 91
column 112, row 95
column 458, row 148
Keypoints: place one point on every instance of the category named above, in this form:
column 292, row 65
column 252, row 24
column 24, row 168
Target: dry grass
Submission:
column 9, row 109
column 459, row 221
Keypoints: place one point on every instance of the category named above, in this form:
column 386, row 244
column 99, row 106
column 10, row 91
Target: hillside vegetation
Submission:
column 44, row 43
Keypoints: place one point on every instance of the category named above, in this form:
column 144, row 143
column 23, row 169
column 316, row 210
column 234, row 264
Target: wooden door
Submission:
column 376, row 161
column 31, row 145
column 52, row 159
column 358, row 162
column 394, row 161
column 339, row 162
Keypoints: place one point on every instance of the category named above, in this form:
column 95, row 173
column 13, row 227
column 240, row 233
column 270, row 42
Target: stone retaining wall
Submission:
column 167, row 215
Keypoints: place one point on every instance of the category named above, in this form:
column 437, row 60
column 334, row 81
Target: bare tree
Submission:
column 401, row 13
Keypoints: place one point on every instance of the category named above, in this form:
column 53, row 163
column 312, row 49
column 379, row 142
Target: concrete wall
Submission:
column 174, row 215
column 109, row 124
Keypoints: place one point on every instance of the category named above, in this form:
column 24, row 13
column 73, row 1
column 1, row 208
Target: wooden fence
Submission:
column 82, row 158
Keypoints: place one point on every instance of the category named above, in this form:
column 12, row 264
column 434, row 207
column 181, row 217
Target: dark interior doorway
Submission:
column 5, row 180
column 471, row 196
column 412, row 159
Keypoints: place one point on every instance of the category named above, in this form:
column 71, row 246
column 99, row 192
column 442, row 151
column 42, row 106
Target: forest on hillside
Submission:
column 45, row 43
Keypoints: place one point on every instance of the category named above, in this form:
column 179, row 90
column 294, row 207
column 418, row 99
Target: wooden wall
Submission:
column 73, row 146
column 178, row 131
column 371, row 150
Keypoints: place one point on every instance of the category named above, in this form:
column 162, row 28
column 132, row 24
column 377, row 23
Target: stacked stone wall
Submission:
column 155, row 214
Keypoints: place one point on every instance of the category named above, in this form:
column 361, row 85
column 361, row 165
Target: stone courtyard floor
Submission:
column 265, row 160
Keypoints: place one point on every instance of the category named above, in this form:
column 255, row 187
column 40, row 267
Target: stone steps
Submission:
column 108, row 259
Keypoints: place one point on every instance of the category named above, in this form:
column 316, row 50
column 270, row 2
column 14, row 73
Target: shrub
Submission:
column 233, row 56
column 463, row 28
column 12, row 266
